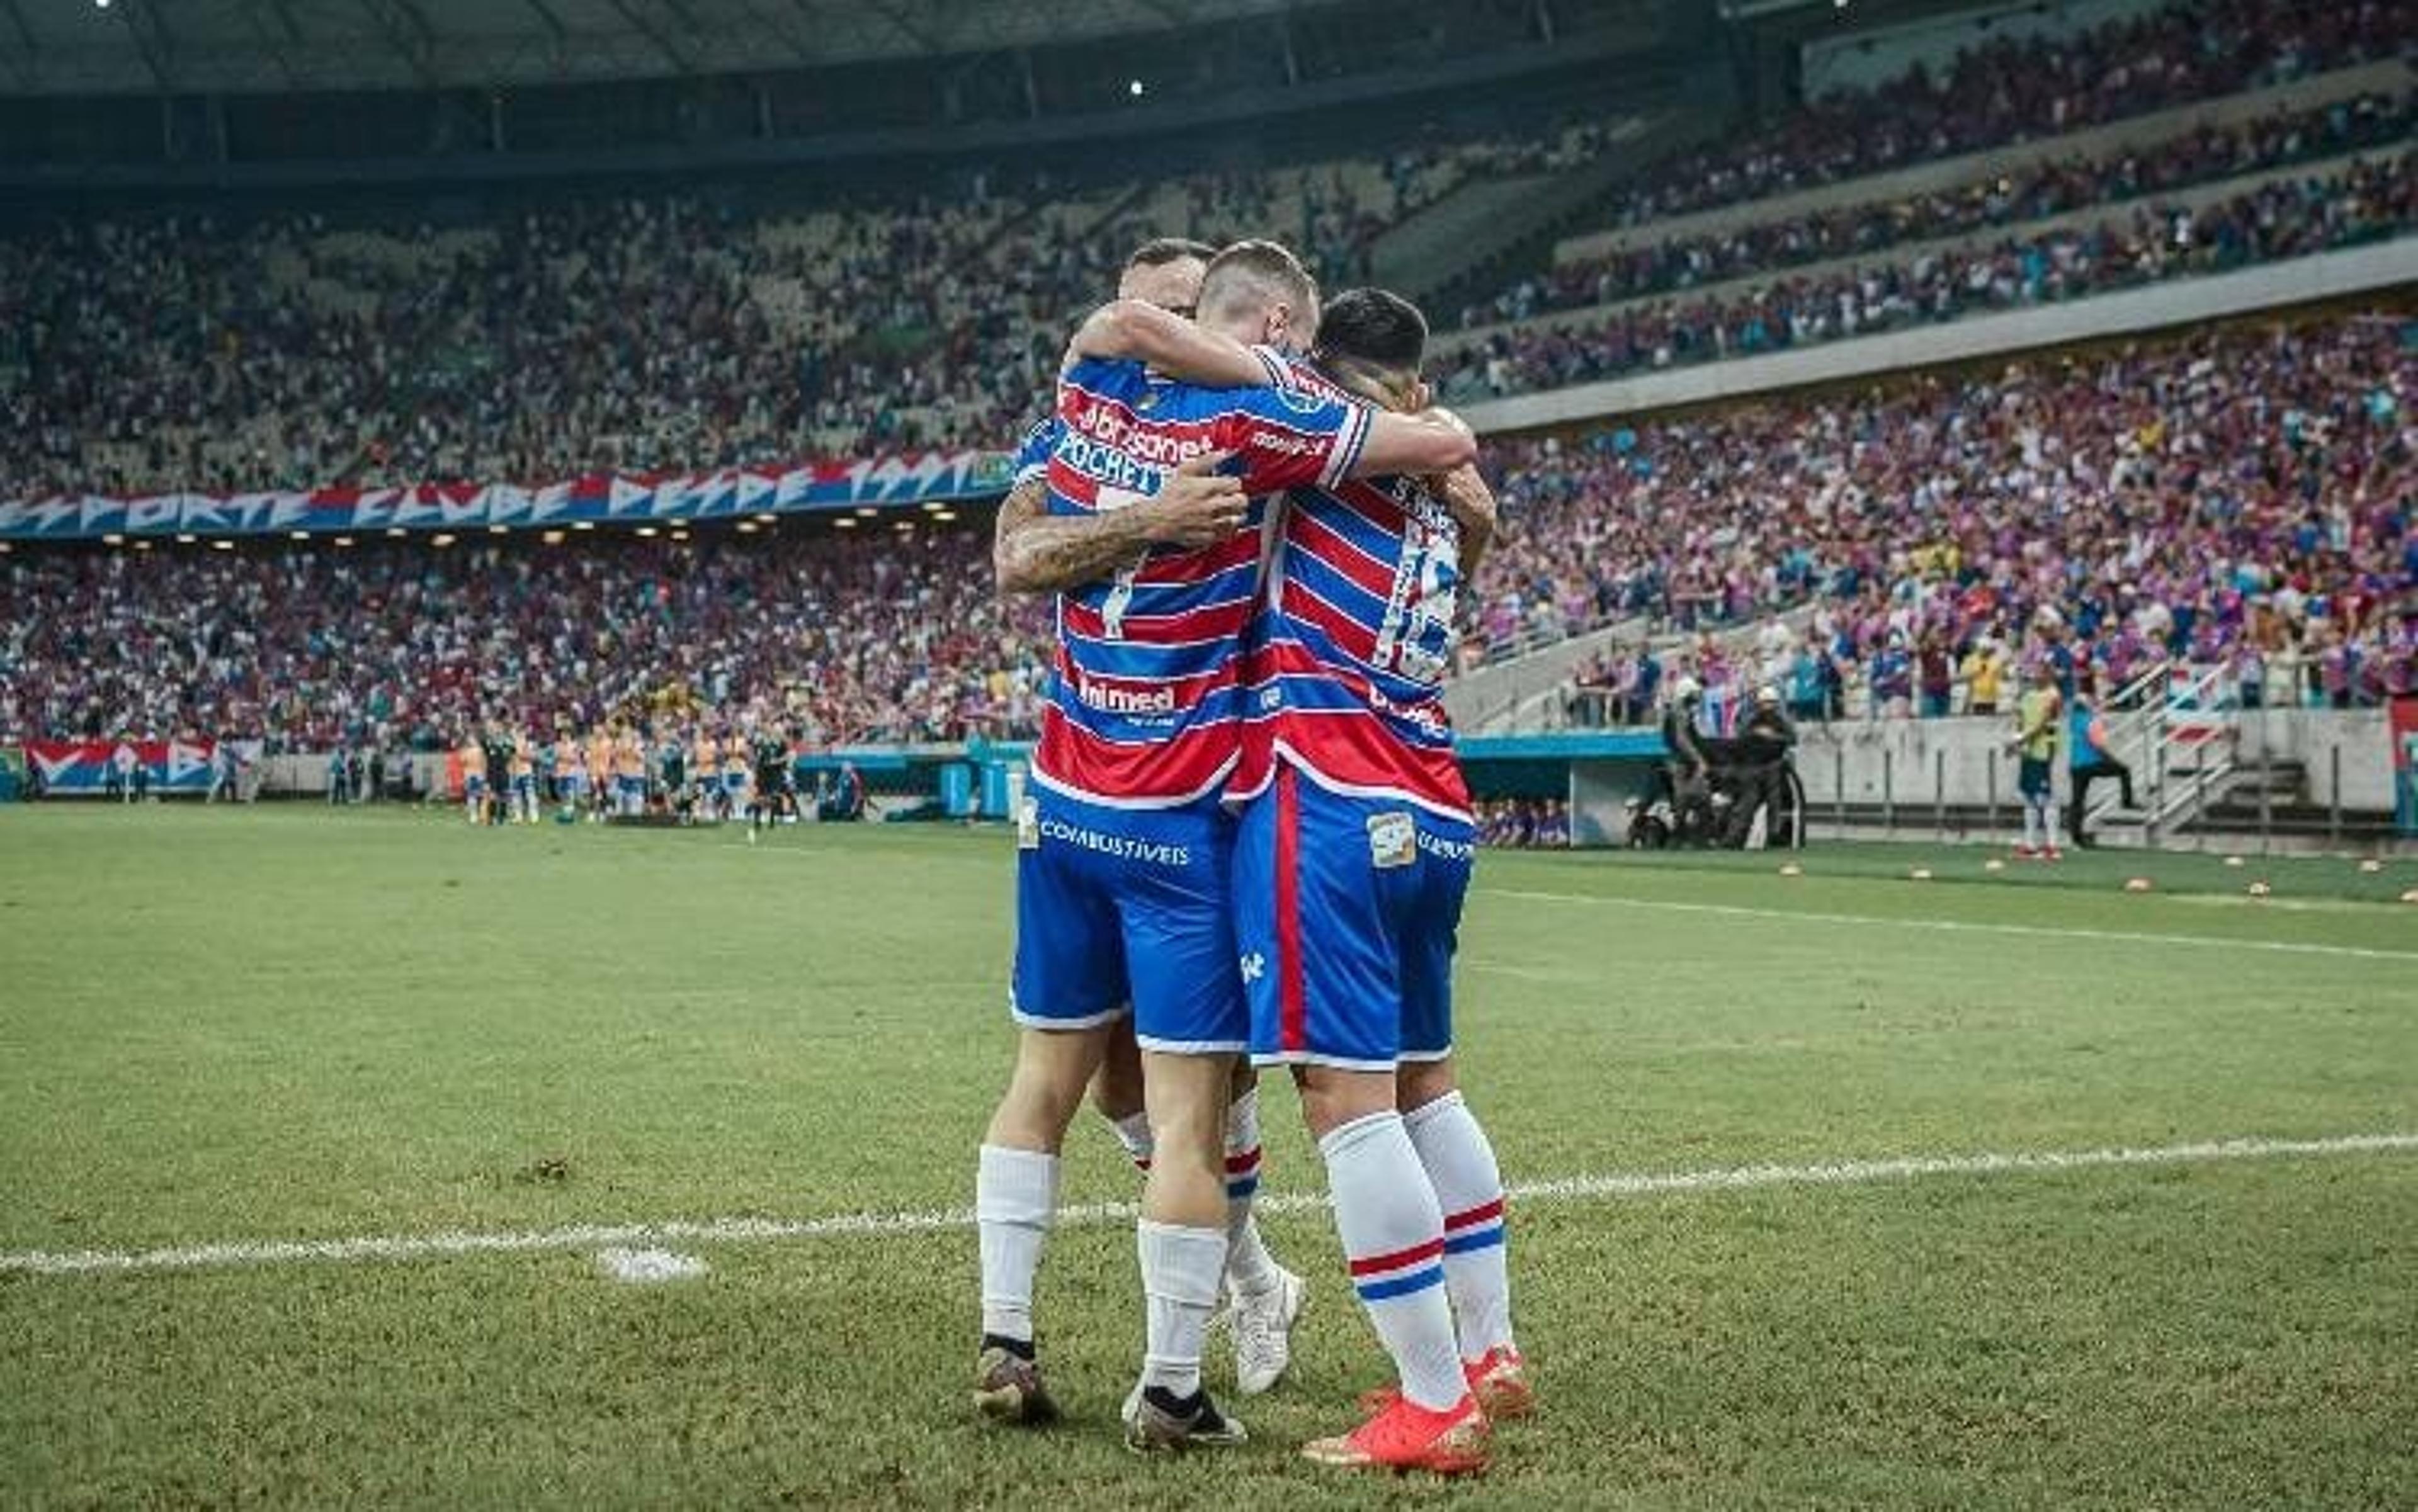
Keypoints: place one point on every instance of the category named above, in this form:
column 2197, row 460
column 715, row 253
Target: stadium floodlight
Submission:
column 583, row 524
column 113, row 539
column 867, row 510
column 1134, row 86
column 222, row 544
column 396, row 532
column 844, row 522
column 343, row 541
column 746, row 528
column 904, row 524
column 678, row 522
column 140, row 545
column 443, row 538
column 765, row 517
column 499, row 529
column 186, row 538
column 944, row 516
column 679, row 535
column 647, row 532
column 298, row 535
column 934, row 506
column 6, row 546
column 552, row 538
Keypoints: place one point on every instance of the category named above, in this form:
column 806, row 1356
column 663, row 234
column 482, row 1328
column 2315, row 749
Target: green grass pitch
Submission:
column 287, row 1023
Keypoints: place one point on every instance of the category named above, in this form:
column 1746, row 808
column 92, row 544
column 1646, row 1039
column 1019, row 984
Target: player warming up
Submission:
column 1124, row 848
column 1350, row 872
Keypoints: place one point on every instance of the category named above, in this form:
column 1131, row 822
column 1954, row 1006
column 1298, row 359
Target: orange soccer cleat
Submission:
column 1406, row 1436
column 1499, row 1378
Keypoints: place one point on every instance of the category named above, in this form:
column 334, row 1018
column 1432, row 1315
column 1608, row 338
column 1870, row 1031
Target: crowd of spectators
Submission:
column 2242, row 500
column 888, row 634
column 2369, row 199
column 672, row 333
column 2015, row 90
column 2245, row 500
column 2002, row 200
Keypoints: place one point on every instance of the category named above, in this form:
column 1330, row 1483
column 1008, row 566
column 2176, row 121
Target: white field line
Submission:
column 1978, row 926
column 455, row 1243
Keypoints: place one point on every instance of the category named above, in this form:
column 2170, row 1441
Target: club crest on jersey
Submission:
column 1300, row 403
column 1148, row 402
column 1028, row 825
column 1393, row 840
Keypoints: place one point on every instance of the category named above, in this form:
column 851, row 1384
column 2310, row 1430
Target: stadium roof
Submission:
column 96, row 47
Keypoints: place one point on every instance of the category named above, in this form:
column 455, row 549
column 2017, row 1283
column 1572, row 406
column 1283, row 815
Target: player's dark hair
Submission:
column 1374, row 328
column 1257, row 273
column 1160, row 250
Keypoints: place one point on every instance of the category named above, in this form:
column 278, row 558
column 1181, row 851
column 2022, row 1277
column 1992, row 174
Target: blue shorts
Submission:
column 1348, row 910
column 1118, row 909
column 2031, row 778
column 630, row 787
column 524, row 784
column 571, row 782
column 473, row 787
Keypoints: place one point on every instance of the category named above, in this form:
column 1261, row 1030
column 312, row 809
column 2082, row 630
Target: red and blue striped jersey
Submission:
column 1352, row 640
column 1144, row 706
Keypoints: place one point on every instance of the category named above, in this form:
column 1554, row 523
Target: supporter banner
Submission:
column 884, row 483
column 68, row 767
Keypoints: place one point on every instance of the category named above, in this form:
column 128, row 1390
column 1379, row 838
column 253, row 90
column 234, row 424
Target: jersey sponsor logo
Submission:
column 1116, row 700
column 1444, row 849
column 1122, row 847
column 1393, row 839
column 1109, row 426
column 1291, row 443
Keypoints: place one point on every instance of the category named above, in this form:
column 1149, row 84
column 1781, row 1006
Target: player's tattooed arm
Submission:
column 1465, row 492
column 1036, row 552
column 1137, row 331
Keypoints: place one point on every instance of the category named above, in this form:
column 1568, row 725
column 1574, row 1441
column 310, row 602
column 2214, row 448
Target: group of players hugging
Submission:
column 1245, row 845
column 618, row 772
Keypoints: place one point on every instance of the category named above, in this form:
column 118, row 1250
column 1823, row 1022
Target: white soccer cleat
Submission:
column 1263, row 1323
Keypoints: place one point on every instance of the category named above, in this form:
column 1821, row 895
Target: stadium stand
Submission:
column 2014, row 88
column 2240, row 500
column 2284, row 216
column 895, row 635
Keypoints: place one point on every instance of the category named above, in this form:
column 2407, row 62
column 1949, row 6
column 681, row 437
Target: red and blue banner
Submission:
column 599, row 498
column 67, row 768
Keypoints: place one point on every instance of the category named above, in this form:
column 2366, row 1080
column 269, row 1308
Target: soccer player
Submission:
column 2089, row 758
column 771, row 757
column 2036, row 736
column 1033, row 555
column 569, row 773
column 524, row 771
column 629, row 774
column 1122, row 887
column 1350, row 870
column 474, row 777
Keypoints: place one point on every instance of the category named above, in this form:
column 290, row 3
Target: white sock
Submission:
column 2048, row 823
column 1393, row 1234
column 1016, row 1193
column 1133, row 1132
column 1180, row 1268
column 1249, row 1267
column 1469, row 1185
column 2031, row 827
